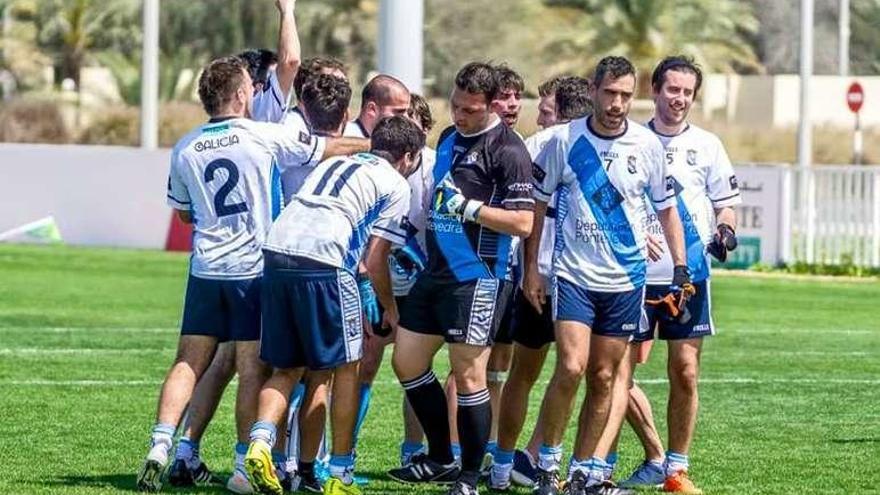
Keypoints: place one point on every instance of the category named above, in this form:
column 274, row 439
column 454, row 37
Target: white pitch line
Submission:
column 49, row 351
column 91, row 329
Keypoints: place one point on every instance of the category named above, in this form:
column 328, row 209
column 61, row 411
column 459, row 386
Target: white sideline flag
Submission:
column 43, row 231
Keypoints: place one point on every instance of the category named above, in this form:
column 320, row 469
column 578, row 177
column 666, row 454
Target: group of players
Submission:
column 318, row 241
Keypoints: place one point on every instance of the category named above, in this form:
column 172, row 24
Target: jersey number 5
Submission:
column 220, row 205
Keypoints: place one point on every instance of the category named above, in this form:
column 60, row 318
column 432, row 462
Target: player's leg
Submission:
column 188, row 468
column 474, row 409
column 252, row 373
column 451, row 391
column 343, row 416
column 618, row 317
column 498, row 368
column 418, row 339
column 413, row 434
column 619, row 403
column 683, row 368
column 531, row 333
column 194, row 354
column 374, row 351
column 412, row 359
column 640, row 417
column 312, row 427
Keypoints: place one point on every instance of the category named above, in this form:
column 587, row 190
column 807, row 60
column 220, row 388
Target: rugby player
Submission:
column 222, row 179
column 532, row 332
column 482, row 199
column 604, row 165
column 547, row 103
column 312, row 314
column 508, row 102
column 383, row 96
column 271, row 95
column 707, row 191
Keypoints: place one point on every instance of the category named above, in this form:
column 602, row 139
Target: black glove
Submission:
column 723, row 241
column 674, row 303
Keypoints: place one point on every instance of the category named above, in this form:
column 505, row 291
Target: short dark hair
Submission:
column 326, row 100
column 313, row 66
column 219, row 82
column 420, row 110
column 678, row 63
column 258, row 61
column 616, row 67
column 572, row 98
column 396, row 136
column 378, row 89
column 478, row 78
column 548, row 87
column 509, row 79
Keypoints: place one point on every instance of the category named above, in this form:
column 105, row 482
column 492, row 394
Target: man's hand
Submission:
column 674, row 303
column 535, row 289
column 448, row 200
column 723, row 241
column 390, row 320
column 368, row 300
column 409, row 261
column 655, row 248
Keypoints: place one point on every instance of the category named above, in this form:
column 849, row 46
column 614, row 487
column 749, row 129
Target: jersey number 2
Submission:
column 220, row 205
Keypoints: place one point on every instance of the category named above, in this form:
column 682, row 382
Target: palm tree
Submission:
column 714, row 32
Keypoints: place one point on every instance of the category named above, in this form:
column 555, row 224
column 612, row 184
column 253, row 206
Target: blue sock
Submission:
column 503, row 456
column 597, row 467
column 163, row 434
column 407, row 449
column 549, row 457
column 675, row 462
column 456, row 451
column 279, row 458
column 262, row 430
column 611, row 460
column 342, row 468
column 491, row 447
column 188, row 451
column 364, row 406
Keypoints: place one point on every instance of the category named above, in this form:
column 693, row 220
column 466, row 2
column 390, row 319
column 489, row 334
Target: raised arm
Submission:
column 289, row 54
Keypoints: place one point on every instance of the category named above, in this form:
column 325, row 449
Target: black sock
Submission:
column 426, row 396
column 306, row 468
column 474, row 426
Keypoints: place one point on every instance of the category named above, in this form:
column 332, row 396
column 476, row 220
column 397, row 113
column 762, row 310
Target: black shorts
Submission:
column 531, row 329
column 401, row 302
column 504, row 335
column 462, row 312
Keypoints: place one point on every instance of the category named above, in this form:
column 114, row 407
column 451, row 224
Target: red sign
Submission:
column 855, row 96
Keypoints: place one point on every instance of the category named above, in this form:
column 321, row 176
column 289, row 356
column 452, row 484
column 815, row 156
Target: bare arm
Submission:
column 289, row 56
column 674, row 233
column 513, row 222
column 533, row 283
column 345, row 146
column 185, row 216
column 377, row 267
column 726, row 215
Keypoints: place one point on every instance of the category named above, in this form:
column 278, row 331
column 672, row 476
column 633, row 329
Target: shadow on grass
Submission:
column 855, row 440
column 122, row 482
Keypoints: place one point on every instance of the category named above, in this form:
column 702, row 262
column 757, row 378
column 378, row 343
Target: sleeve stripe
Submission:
column 398, row 234
column 312, row 156
column 667, row 198
column 518, row 200
column 724, row 198
column 178, row 201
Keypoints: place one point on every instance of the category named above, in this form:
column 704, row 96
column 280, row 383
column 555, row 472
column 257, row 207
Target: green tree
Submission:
column 714, row 32
column 865, row 42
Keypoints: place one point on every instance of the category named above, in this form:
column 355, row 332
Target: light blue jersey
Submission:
column 600, row 238
column 225, row 174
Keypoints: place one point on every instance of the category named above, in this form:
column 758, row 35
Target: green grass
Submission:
column 790, row 400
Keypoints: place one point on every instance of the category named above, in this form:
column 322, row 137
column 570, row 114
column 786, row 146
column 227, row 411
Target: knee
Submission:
column 601, row 380
column 683, row 377
column 569, row 373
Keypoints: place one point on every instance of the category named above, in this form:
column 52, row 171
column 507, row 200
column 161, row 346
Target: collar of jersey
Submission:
column 651, row 126
column 607, row 138
column 217, row 120
column 487, row 129
column 360, row 124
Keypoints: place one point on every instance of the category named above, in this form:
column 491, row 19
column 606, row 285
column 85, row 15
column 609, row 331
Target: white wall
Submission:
column 773, row 101
column 99, row 195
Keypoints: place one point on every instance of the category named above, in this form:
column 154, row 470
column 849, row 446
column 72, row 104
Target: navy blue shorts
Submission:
column 531, row 329
column 700, row 325
column 225, row 309
column 610, row 314
column 311, row 314
column 461, row 312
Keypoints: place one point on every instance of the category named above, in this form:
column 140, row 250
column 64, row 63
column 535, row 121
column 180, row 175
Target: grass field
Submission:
column 790, row 387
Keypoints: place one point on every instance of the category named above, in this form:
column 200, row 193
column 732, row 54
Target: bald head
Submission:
column 384, row 96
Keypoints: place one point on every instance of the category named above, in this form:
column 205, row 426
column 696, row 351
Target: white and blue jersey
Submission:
column 292, row 178
column 602, row 183
column 224, row 173
column 703, row 179
column 535, row 144
column 343, row 202
column 270, row 105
